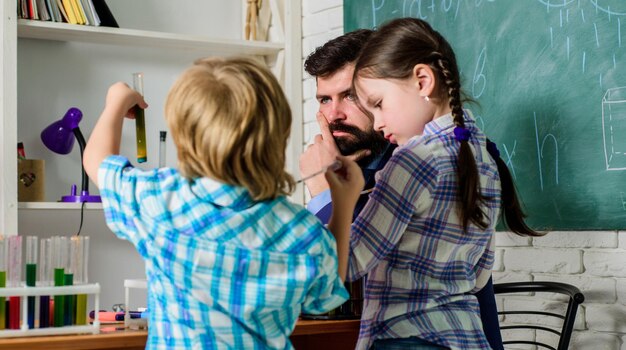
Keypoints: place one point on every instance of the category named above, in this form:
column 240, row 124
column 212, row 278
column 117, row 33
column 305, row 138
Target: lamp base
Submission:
column 79, row 199
column 83, row 197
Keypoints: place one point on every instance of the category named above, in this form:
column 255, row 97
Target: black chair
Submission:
column 565, row 333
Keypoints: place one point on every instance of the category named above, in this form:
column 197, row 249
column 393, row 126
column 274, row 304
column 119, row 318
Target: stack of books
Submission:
column 84, row 12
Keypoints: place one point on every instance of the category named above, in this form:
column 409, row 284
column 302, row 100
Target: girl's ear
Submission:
column 424, row 78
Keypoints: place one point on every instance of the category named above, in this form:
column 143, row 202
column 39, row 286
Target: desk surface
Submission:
column 132, row 339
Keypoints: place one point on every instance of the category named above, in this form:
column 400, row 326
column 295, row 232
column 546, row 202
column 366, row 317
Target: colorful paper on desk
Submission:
column 116, row 317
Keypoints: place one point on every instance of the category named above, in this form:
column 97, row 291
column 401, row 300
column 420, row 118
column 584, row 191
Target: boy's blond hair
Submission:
column 230, row 121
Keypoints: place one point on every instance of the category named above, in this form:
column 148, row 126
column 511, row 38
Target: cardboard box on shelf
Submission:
column 31, row 180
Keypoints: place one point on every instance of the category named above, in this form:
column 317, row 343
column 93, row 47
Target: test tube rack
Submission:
column 128, row 285
column 24, row 331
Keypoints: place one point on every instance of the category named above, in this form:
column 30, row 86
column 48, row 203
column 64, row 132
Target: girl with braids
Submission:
column 425, row 237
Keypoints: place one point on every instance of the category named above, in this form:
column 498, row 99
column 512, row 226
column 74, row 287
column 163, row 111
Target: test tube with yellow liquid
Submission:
column 79, row 257
column 140, row 121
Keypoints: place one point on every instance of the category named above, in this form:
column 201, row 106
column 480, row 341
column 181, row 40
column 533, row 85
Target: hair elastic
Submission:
column 493, row 149
column 461, row 134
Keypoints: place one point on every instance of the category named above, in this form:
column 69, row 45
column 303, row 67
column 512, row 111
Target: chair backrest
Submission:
column 565, row 333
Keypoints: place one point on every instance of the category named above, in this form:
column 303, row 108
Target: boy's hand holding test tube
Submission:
column 106, row 136
column 140, row 121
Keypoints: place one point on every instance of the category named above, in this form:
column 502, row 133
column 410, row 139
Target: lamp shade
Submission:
column 59, row 136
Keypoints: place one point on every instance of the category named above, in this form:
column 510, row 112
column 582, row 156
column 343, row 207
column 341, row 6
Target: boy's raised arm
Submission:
column 106, row 136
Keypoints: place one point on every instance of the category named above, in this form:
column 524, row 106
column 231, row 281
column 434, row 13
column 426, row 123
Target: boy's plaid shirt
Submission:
column 223, row 271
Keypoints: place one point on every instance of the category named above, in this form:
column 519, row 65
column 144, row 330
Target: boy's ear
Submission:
column 424, row 79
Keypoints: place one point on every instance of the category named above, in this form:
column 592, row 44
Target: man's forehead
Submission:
column 340, row 82
column 343, row 73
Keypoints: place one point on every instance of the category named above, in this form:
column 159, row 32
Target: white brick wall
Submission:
column 594, row 261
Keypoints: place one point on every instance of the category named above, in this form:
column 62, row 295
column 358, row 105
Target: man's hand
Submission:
column 320, row 154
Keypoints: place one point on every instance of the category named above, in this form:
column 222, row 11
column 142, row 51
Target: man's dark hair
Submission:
column 336, row 53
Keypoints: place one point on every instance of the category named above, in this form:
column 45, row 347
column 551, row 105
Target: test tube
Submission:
column 59, row 249
column 4, row 255
column 15, row 278
column 140, row 121
column 80, row 254
column 45, row 279
column 68, row 280
column 162, row 137
column 31, row 275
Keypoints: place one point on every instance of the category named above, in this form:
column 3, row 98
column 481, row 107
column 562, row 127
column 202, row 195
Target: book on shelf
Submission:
column 104, row 13
column 22, row 9
column 55, row 11
column 85, row 12
column 89, row 20
column 80, row 14
column 32, row 9
column 61, row 8
column 69, row 9
column 92, row 10
column 42, row 10
column 50, row 10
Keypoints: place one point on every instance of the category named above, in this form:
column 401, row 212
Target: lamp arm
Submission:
column 81, row 144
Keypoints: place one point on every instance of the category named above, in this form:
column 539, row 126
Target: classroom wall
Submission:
column 592, row 260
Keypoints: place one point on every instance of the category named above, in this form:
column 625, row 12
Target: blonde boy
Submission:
column 230, row 261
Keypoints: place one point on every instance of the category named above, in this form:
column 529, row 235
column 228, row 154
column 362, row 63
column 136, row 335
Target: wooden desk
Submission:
column 120, row 339
column 327, row 335
column 308, row 335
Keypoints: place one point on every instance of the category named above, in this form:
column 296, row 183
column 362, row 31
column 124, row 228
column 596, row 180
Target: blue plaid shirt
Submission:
column 408, row 239
column 224, row 271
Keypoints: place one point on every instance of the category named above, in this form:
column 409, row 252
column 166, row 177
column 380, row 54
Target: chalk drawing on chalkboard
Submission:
column 614, row 128
column 509, row 158
column 614, row 8
column 540, row 155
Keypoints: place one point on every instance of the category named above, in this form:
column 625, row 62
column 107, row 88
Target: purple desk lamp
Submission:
column 59, row 138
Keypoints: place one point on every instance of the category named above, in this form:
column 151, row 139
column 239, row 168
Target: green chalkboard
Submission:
column 550, row 79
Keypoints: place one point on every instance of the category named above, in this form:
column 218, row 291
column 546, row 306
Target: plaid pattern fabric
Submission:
column 224, row 272
column 408, row 239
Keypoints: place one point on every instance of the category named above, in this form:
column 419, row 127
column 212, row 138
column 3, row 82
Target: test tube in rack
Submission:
column 80, row 256
column 59, row 253
column 140, row 121
column 15, row 279
column 68, row 280
column 45, row 280
column 4, row 257
column 31, row 275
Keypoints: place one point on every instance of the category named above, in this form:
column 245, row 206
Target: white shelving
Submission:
column 284, row 56
column 131, row 37
column 58, row 205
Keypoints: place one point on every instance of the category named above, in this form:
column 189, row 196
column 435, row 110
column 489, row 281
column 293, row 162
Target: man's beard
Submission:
column 371, row 140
